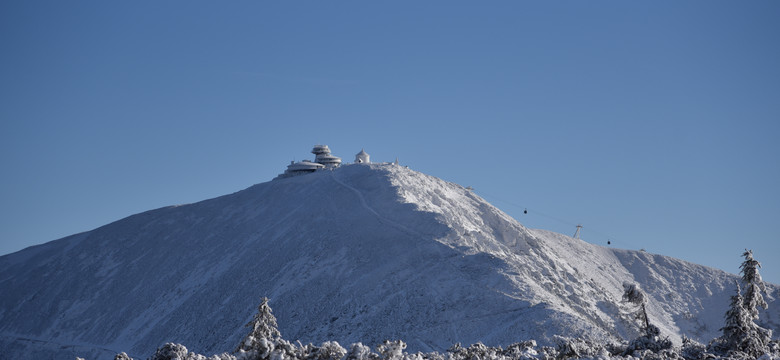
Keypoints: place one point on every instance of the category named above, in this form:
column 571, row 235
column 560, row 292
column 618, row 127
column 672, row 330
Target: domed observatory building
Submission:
column 323, row 156
column 362, row 157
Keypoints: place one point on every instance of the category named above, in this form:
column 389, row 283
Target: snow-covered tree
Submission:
column 263, row 327
column 651, row 334
column 122, row 356
column 759, row 339
column 521, row 350
column 576, row 348
column 358, row 351
column 170, row 351
column 329, row 350
column 633, row 295
column 754, row 285
column 739, row 325
column 741, row 334
column 692, row 349
column 391, row 350
column 283, row 350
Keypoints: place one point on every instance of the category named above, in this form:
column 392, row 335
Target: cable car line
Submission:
column 609, row 239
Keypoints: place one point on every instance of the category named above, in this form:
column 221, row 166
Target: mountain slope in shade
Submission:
column 360, row 253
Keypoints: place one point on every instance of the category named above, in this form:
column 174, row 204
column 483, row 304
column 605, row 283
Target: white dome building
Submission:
column 362, row 157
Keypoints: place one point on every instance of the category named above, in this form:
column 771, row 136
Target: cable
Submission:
column 611, row 240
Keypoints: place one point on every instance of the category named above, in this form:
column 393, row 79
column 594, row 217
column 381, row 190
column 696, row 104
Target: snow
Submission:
column 362, row 253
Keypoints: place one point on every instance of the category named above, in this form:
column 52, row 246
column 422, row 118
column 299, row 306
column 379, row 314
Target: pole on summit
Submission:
column 577, row 233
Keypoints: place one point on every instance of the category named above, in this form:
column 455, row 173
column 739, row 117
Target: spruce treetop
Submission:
column 749, row 269
column 754, row 285
column 263, row 326
column 264, row 323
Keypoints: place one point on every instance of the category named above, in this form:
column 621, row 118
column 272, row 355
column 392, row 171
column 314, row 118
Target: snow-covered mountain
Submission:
column 360, row 253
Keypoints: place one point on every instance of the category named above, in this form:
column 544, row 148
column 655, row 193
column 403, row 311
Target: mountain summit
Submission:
column 363, row 252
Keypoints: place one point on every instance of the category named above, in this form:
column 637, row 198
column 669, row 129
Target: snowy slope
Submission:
column 361, row 253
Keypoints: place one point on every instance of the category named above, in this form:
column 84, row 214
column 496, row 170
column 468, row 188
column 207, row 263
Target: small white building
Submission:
column 362, row 157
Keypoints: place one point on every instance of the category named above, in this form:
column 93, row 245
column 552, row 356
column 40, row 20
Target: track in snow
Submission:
column 369, row 208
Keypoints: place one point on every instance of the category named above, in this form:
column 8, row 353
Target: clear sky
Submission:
column 655, row 124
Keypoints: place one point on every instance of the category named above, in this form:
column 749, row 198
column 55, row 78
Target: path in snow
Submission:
column 369, row 208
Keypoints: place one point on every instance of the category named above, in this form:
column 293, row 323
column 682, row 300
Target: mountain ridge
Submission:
column 359, row 253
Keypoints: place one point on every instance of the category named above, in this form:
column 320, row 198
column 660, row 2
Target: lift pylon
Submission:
column 577, row 233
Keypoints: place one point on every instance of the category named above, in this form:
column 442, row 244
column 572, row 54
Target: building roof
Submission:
column 320, row 149
column 304, row 165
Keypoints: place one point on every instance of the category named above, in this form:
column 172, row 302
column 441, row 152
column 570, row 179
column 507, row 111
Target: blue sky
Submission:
column 654, row 124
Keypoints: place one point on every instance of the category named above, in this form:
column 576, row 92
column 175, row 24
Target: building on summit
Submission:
column 362, row 157
column 323, row 160
column 323, row 156
column 300, row 168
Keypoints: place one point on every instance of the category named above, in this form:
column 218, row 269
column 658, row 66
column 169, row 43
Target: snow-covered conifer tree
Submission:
column 632, row 294
column 692, row 349
column 391, row 350
column 651, row 338
column 330, row 350
column 170, row 351
column 263, row 327
column 576, row 348
column 754, row 285
column 358, row 351
column 122, row 356
column 741, row 333
column 738, row 324
column 752, row 300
